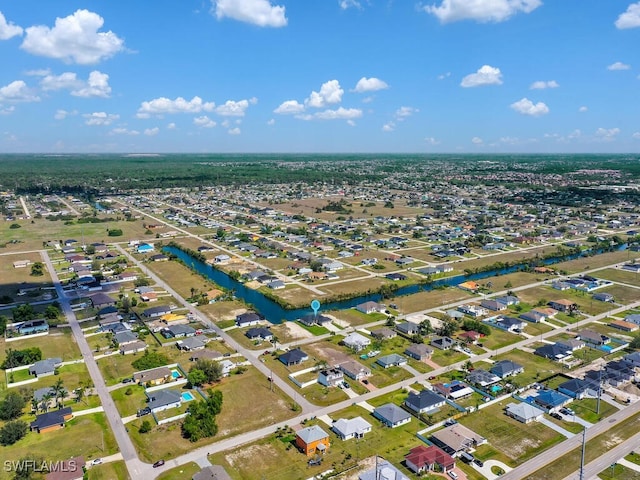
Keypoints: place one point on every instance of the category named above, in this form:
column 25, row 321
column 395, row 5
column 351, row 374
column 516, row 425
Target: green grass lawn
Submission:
column 323, row 396
column 116, row 367
column 274, row 458
column 535, row 367
column 58, row 344
column 499, row 338
column 595, row 447
column 129, row 404
column 240, row 413
column 87, row 435
column 447, row 357
column 519, row 442
column 185, row 471
column 108, row 471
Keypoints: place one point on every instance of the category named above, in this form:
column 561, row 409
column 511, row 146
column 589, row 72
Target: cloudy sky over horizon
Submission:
column 469, row 76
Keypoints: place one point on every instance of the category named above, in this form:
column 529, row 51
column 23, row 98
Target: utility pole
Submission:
column 584, row 438
column 599, row 390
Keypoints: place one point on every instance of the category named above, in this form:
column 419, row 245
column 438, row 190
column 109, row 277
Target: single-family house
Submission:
column 248, row 319
column 624, row 326
column 311, row 319
column 383, row 471
column 259, row 333
column 330, row 377
column 312, row 439
column 506, row 368
column 591, row 337
column 454, row 390
column 191, row 344
column 351, row 428
column 408, row 328
column 392, row 415
column 71, row 469
column 212, row 472
column 425, row 459
column 383, row 333
column 293, row 357
column 469, row 286
column 133, row 347
column 508, row 300
column 563, row 305
column 52, row 420
column 533, row 316
column 356, row 341
column 101, row 300
column 571, row 344
column 31, row 327
column 554, row 351
column 443, row 343
column 524, row 412
column 603, row 297
column 155, row 312
column 125, row 337
column 370, row 307
column 391, row 360
column 493, row 305
column 164, row 399
column 511, row 324
column 180, row 331
column 355, row 370
column 153, row 376
column 424, row 401
column 578, row 389
column 145, row 248
column 419, row 351
column 470, row 336
column 456, row 438
column 550, row 400
column 481, row 377
column 46, row 367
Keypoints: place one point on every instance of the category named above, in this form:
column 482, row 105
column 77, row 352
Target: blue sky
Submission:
column 468, row 76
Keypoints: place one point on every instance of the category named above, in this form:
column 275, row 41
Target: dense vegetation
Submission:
column 17, row 358
column 201, row 421
column 150, row 360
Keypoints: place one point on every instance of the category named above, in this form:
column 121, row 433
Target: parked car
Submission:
column 556, row 415
column 478, row 462
column 159, row 463
column 127, row 380
column 143, row 412
column 365, row 381
column 453, row 474
column 96, row 461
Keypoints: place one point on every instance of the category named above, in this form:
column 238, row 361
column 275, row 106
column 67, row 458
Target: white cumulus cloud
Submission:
column 256, row 12
column 636, row 135
column 527, row 107
column 100, row 118
column 486, row 75
column 583, row 109
column 232, row 108
column 541, row 85
column 630, row 18
column 62, row 114
column 163, row 105
column 404, row 112
column 17, row 91
column 477, row 141
column 73, row 39
column 289, row 107
column 8, row 29
column 370, row 85
column 330, row 92
column 339, row 114
column 607, row 134
column 345, row 4
column 618, row 66
column 97, row 84
column 480, row 10
column 432, row 141
column 234, row 131
column 151, row 132
column 124, row 131
column 389, row 127
column 204, row 121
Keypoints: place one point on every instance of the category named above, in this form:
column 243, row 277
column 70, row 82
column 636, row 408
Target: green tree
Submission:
column 13, row 431
column 212, row 370
column 23, row 313
column 201, row 421
column 3, row 324
column 12, row 405
column 145, row 427
column 150, row 359
column 37, row 269
column 51, row 312
column 196, row 377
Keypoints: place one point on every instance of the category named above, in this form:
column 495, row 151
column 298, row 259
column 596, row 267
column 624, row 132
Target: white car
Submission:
column 96, row 461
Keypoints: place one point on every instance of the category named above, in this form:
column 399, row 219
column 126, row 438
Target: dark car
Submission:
column 159, row 463
column 127, row 380
column 143, row 412
column 478, row 462
column 556, row 415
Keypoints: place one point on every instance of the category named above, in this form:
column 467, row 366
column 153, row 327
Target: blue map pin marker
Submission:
column 315, row 304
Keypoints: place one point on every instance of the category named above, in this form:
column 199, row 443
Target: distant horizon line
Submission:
column 158, row 154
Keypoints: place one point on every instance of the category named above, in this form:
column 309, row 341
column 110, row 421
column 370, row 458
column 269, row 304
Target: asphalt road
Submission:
column 128, row 451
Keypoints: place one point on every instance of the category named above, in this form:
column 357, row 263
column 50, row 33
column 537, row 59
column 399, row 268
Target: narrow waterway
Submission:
column 276, row 314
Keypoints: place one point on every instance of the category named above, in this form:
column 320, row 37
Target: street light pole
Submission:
column 584, row 437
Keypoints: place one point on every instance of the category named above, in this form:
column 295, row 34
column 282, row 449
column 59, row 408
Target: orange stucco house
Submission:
column 312, row 440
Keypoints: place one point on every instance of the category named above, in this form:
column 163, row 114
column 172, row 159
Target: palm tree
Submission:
column 44, row 404
column 59, row 392
column 274, row 341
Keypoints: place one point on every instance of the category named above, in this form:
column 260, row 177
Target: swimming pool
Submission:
column 175, row 374
column 187, row 396
column 496, row 388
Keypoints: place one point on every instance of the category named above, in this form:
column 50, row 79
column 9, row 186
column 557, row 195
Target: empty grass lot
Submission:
column 535, row 367
column 240, row 413
column 519, row 442
column 108, row 471
column 570, row 462
column 81, row 436
column 276, row 459
column 58, row 344
column 179, row 473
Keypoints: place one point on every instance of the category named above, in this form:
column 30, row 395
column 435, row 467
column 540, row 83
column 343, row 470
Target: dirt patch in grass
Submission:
column 296, row 331
column 252, row 452
column 329, row 353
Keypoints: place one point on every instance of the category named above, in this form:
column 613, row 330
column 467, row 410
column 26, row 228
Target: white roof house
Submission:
column 351, row 428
